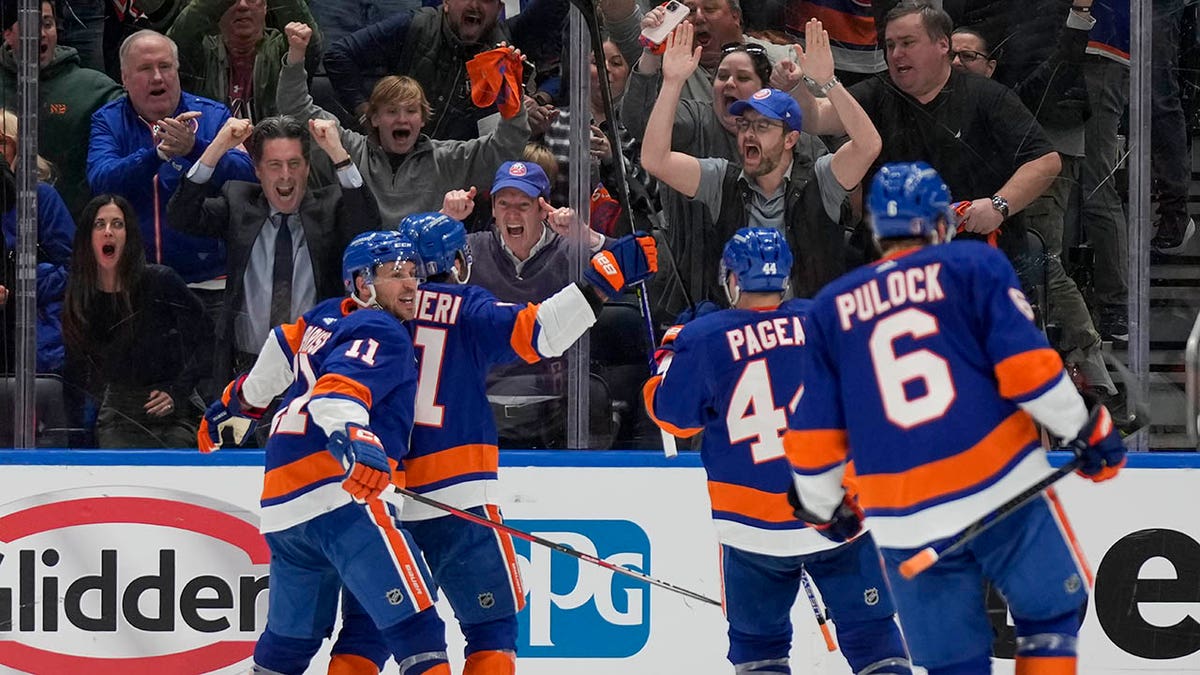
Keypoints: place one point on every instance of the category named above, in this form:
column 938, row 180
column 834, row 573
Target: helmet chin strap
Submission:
column 372, row 301
column 462, row 279
column 732, row 293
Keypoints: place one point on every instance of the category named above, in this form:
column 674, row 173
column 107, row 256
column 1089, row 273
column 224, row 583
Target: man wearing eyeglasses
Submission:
column 770, row 188
column 969, row 51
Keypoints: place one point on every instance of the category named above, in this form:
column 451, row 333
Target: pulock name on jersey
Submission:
column 913, row 285
column 438, row 307
column 210, row 594
column 759, row 337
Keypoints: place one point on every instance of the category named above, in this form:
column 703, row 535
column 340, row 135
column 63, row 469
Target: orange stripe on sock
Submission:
column 351, row 664
column 490, row 662
column 1045, row 665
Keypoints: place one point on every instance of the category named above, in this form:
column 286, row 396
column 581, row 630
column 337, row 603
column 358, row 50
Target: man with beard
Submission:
column 771, row 188
column 433, row 45
column 231, row 50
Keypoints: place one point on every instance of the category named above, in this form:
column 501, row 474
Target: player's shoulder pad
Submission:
column 324, row 313
column 369, row 323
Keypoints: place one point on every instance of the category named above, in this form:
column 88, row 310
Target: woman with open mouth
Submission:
column 137, row 338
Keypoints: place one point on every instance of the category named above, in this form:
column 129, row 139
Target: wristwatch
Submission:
column 1000, row 204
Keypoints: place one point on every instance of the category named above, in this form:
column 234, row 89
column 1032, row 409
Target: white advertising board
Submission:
column 159, row 568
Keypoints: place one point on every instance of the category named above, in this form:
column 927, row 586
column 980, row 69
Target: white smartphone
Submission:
column 676, row 13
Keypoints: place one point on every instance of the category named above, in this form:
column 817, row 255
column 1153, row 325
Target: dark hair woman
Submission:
column 135, row 335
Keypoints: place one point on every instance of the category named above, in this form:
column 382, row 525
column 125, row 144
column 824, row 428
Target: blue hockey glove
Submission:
column 631, row 260
column 1100, row 447
column 697, row 311
column 844, row 525
column 361, row 452
column 228, row 413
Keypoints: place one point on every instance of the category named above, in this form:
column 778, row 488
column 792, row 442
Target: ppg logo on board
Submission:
column 577, row 609
column 129, row 580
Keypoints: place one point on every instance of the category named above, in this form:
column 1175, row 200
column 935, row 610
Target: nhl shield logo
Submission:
column 871, row 596
column 487, row 600
column 395, row 596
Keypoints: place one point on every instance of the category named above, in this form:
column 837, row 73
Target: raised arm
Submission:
column 851, row 161
column 376, row 45
column 197, row 19
column 189, row 211
column 820, row 117
column 676, row 169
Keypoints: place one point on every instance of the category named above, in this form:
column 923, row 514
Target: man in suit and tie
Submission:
column 284, row 241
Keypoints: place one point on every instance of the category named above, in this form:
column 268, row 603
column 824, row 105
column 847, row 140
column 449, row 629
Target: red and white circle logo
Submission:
column 761, row 94
column 517, row 169
column 122, row 579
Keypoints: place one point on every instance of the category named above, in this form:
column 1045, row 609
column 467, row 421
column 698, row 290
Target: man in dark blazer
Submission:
column 284, row 241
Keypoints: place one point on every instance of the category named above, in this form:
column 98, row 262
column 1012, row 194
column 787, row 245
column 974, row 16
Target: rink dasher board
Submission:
column 110, row 534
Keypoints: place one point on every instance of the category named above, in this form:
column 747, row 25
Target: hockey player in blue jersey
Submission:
column 732, row 375
column 349, row 366
column 460, row 332
column 927, row 371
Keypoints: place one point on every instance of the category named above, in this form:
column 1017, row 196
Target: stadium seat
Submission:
column 51, row 427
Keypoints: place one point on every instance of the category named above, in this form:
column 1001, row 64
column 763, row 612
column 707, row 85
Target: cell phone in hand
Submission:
column 676, row 13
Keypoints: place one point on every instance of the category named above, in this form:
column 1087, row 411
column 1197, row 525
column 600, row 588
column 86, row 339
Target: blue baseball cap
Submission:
column 527, row 177
column 771, row 103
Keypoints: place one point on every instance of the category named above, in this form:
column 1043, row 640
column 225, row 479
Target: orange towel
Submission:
column 496, row 78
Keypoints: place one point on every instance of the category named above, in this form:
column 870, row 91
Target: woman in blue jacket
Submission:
column 54, row 234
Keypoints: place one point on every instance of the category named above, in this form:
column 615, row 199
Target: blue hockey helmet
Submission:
column 761, row 259
column 440, row 241
column 372, row 249
column 908, row 199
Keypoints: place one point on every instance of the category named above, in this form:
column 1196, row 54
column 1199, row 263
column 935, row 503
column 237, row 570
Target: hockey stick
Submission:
column 668, row 440
column 521, row 534
column 822, row 620
column 590, row 10
column 926, row 557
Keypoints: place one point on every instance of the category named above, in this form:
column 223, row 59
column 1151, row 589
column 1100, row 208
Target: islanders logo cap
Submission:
column 771, row 103
column 527, row 177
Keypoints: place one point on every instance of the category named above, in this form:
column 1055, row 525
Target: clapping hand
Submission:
column 176, row 136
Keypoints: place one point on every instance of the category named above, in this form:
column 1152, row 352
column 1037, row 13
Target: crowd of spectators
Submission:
column 204, row 162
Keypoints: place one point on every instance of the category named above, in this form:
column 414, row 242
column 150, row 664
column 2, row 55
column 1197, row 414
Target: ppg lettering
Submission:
column 577, row 610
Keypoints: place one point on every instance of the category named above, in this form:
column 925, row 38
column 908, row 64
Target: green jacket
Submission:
column 204, row 61
column 69, row 94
